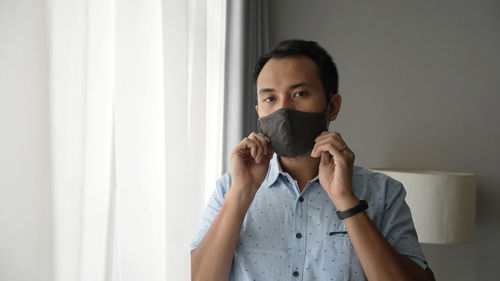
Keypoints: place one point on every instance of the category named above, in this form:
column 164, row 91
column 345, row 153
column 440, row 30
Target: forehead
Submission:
column 282, row 72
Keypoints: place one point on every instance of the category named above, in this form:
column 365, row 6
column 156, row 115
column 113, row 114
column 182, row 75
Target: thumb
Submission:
column 325, row 158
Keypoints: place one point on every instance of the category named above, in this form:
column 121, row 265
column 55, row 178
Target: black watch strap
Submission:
column 354, row 210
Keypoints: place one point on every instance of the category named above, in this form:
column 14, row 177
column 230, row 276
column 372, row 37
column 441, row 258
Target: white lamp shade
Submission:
column 442, row 204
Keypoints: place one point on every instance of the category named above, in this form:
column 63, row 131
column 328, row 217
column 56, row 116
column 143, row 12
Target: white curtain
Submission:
column 136, row 104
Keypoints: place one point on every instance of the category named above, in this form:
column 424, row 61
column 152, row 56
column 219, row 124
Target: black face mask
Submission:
column 292, row 132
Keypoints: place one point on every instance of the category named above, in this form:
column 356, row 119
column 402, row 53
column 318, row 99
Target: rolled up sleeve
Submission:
column 397, row 224
column 211, row 209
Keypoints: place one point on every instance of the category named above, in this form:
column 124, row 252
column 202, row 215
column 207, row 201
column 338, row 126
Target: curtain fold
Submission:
column 98, row 79
column 140, row 141
column 247, row 38
column 67, row 120
column 136, row 112
column 176, row 51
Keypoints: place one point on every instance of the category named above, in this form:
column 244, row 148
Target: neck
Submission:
column 302, row 168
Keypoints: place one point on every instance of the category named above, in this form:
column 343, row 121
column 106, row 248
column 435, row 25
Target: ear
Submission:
column 334, row 106
column 257, row 109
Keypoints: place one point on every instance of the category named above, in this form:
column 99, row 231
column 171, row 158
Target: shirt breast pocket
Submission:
column 339, row 258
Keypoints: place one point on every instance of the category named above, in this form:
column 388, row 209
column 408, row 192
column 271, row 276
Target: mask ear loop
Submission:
column 328, row 102
column 326, row 117
column 326, row 107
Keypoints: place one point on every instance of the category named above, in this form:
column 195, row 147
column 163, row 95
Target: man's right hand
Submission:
column 250, row 162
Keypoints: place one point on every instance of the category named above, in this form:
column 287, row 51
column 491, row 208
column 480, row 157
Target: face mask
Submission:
column 292, row 132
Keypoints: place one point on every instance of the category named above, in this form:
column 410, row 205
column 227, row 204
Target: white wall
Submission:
column 420, row 88
column 25, row 214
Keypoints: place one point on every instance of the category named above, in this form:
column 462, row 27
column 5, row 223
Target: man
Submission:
column 294, row 206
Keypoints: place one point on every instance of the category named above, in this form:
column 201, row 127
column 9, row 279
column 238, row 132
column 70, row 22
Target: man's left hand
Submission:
column 336, row 176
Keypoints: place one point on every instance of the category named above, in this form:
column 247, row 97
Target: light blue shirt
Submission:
column 293, row 235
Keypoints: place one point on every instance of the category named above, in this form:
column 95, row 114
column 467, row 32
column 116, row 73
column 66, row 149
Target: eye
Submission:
column 299, row 94
column 269, row 99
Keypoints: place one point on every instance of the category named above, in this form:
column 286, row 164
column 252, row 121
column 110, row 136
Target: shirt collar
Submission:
column 275, row 170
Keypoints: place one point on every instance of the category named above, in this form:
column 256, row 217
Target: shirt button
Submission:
column 298, row 235
column 301, row 199
column 295, row 273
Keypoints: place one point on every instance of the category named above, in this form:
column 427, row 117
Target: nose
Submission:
column 285, row 102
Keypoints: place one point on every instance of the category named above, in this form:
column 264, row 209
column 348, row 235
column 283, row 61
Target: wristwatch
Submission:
column 354, row 210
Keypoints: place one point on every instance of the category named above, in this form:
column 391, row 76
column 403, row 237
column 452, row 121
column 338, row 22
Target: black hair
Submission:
column 293, row 48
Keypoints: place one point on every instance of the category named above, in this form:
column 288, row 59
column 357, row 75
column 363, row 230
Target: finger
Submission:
column 264, row 137
column 260, row 146
column 325, row 158
column 257, row 150
column 248, row 146
column 337, row 144
column 330, row 135
column 264, row 141
column 328, row 147
column 324, row 133
column 334, row 141
column 269, row 152
column 269, row 149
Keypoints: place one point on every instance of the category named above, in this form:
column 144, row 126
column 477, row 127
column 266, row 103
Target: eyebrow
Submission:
column 294, row 86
